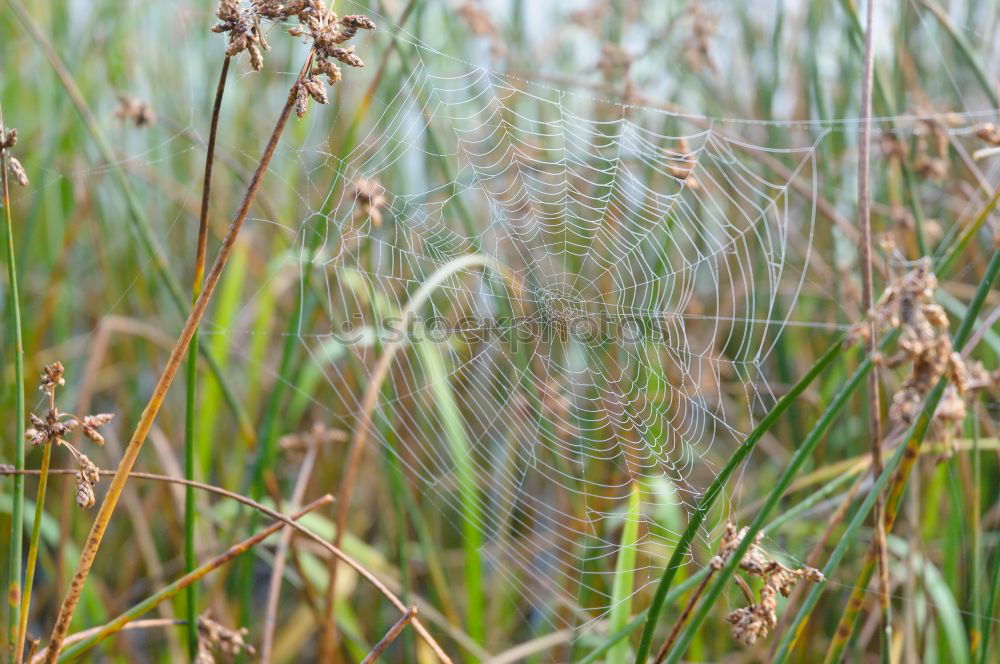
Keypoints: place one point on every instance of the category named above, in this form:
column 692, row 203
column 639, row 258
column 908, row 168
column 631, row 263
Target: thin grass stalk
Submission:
column 848, row 619
column 93, row 542
column 981, row 626
column 79, row 636
column 624, row 578
column 8, row 471
column 171, row 590
column 813, row 559
column 14, row 322
column 867, row 298
column 888, row 108
column 191, row 377
column 991, row 597
column 136, row 214
column 280, row 556
column 390, row 636
column 685, row 614
column 798, row 625
column 715, row 490
column 36, row 531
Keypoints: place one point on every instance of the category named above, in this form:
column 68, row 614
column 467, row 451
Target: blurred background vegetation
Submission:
column 94, row 295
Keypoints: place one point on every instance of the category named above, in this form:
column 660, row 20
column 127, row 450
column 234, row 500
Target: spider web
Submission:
column 636, row 265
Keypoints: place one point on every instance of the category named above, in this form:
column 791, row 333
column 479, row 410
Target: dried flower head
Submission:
column 85, row 496
column 327, row 33
column 8, row 139
column 242, row 22
column 370, row 198
column 697, row 47
column 931, row 158
column 52, row 377
column 92, row 422
column 988, row 133
column 753, row 622
column 135, row 110
column 17, row 171
column 56, row 426
column 214, row 637
column 684, row 162
column 924, row 343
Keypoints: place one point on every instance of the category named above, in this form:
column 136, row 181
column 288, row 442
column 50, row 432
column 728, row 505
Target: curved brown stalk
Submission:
column 172, row 589
column 359, row 439
column 274, row 514
column 685, row 614
column 93, row 542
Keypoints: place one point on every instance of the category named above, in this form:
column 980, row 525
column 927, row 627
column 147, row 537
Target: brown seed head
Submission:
column 85, row 496
column 9, row 139
column 988, row 133
column 357, row 22
column 17, row 171
column 215, row 637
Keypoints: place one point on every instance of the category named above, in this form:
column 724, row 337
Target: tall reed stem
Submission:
column 191, row 377
column 36, row 531
column 867, row 298
column 17, row 507
column 145, row 423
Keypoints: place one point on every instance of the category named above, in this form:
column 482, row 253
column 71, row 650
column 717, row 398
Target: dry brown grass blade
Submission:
column 153, row 623
column 336, row 552
column 173, row 589
column 280, row 556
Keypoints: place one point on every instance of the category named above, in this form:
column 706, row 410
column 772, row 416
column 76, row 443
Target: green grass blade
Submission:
column 14, row 325
column 715, row 490
column 622, row 588
column 461, row 453
column 803, row 452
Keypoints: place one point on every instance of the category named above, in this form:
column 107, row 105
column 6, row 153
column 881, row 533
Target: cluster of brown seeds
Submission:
column 931, row 157
column 242, row 23
column 988, row 133
column 370, row 198
column 135, row 110
column 213, row 637
column 328, row 34
column 908, row 304
column 683, row 171
column 55, row 426
column 8, row 140
column 754, row 621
